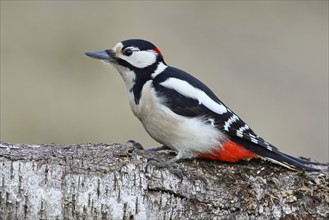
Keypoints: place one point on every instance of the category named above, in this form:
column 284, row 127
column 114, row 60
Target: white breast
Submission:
column 175, row 131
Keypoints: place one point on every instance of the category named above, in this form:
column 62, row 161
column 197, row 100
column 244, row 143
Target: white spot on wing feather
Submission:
column 212, row 122
column 230, row 121
column 241, row 130
column 254, row 140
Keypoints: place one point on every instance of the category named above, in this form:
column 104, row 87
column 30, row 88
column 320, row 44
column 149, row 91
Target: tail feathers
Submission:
column 290, row 162
column 304, row 161
column 274, row 155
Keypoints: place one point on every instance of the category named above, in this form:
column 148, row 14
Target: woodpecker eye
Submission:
column 127, row 52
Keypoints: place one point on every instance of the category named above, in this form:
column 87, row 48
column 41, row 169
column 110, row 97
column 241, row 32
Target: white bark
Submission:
column 100, row 181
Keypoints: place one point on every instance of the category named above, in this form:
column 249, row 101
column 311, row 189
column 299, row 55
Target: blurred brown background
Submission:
column 266, row 60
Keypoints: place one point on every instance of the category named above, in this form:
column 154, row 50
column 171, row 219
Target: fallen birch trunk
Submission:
column 101, row 181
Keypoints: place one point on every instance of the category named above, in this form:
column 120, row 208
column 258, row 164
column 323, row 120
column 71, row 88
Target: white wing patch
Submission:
column 190, row 91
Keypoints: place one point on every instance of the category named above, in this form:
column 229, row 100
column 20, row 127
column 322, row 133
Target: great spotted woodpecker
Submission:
column 182, row 113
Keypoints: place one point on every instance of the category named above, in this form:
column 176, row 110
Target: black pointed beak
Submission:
column 106, row 55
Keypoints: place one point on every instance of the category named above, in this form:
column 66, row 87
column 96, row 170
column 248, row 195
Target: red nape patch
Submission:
column 157, row 50
column 230, row 152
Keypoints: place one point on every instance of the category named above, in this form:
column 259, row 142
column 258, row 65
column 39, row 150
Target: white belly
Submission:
column 175, row 131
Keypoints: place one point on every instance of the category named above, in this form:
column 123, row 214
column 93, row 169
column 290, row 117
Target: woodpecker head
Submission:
column 130, row 55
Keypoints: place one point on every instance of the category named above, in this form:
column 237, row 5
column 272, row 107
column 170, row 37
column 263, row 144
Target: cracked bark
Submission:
column 101, row 181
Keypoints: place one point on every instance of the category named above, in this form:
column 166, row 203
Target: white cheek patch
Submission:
column 141, row 59
column 190, row 91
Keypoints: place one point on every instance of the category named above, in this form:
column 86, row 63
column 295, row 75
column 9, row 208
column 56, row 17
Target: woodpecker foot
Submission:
column 171, row 166
column 134, row 144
